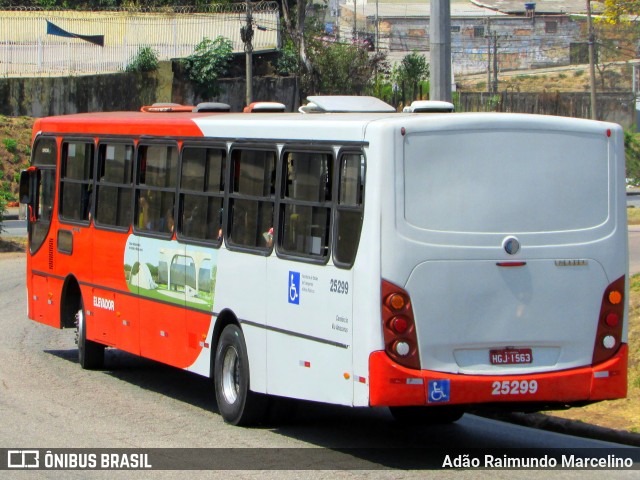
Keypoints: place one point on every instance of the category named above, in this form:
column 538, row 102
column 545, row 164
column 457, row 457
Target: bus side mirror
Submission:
column 26, row 182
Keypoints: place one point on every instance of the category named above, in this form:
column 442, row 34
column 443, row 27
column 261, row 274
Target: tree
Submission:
column 412, row 69
column 343, row 68
column 208, row 62
column 296, row 30
column 616, row 11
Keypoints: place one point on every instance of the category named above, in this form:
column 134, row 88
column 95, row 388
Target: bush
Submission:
column 632, row 154
column 209, row 62
column 11, row 145
column 3, row 204
column 146, row 60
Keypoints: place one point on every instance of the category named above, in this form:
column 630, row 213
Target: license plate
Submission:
column 510, row 356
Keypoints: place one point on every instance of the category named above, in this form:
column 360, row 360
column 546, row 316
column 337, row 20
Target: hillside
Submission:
column 15, row 151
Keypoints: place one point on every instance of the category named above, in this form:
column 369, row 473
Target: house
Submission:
column 523, row 36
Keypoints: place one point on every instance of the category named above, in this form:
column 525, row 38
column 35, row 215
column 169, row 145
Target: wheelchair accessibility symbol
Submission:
column 438, row 391
column 294, row 288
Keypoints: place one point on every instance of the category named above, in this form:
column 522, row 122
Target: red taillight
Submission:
column 611, row 320
column 609, row 333
column 398, row 325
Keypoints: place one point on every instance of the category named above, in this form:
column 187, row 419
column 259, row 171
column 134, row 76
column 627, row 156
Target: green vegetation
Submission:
column 412, row 70
column 146, row 60
column 345, row 69
column 633, row 216
column 209, row 62
column 11, row 144
column 632, row 153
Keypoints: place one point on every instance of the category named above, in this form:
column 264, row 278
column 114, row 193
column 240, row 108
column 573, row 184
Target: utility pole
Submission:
column 592, row 67
column 494, row 86
column 440, row 42
column 377, row 30
column 488, row 55
column 246, row 34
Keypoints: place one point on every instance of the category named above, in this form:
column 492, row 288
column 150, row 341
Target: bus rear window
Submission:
column 505, row 181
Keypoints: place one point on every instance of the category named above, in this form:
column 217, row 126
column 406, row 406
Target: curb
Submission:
column 11, row 213
column 575, row 428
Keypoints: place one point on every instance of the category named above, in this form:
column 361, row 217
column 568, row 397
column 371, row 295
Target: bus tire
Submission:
column 237, row 404
column 427, row 415
column 90, row 354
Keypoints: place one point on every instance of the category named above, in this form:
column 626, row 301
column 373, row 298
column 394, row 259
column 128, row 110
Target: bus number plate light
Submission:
column 510, row 356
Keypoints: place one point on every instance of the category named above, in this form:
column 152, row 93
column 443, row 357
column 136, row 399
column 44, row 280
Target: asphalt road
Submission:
column 48, row 401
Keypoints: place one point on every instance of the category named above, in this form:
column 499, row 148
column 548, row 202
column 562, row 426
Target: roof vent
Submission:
column 429, row 106
column 212, row 107
column 345, row 104
column 166, row 107
column 264, row 107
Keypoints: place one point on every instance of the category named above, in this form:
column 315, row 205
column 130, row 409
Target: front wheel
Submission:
column 427, row 415
column 90, row 354
column 237, row 404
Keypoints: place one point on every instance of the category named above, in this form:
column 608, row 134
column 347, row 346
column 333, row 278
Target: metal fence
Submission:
column 26, row 49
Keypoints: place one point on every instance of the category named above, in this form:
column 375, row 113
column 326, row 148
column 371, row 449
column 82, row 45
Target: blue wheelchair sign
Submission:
column 294, row 288
column 439, row 391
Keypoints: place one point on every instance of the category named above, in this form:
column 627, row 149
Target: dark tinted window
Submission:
column 76, row 180
column 114, row 185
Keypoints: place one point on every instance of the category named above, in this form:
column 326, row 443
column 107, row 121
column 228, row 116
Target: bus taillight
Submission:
column 398, row 325
column 609, row 333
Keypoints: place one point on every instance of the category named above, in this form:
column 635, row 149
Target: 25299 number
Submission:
column 514, row 387
column 339, row 286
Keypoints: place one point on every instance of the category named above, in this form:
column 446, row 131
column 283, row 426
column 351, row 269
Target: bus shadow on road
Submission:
column 352, row 437
column 153, row 376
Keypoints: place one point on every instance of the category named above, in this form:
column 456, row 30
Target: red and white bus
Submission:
column 422, row 261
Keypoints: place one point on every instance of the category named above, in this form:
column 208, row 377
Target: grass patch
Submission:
column 633, row 216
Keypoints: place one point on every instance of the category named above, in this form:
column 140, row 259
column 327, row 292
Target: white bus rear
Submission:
column 505, row 235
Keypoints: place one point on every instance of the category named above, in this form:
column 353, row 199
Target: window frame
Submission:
column 63, row 180
column 115, row 141
column 230, row 196
column 138, row 187
column 35, row 242
column 282, row 202
column 221, row 194
column 353, row 208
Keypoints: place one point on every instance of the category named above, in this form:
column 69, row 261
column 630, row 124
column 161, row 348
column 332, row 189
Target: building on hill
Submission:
column 523, row 38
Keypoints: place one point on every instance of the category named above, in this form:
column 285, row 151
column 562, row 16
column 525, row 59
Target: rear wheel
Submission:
column 427, row 415
column 237, row 404
column 90, row 354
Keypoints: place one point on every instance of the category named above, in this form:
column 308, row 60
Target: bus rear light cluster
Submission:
column 398, row 325
column 609, row 333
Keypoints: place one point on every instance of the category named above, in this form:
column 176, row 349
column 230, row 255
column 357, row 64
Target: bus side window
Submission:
column 113, row 200
column 251, row 199
column 201, row 193
column 76, row 181
column 155, row 191
column 305, row 210
column 349, row 209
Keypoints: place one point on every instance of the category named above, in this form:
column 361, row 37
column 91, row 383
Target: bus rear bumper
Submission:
column 391, row 384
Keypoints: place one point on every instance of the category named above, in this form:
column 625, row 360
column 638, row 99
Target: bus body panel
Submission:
column 309, row 337
column 555, row 185
column 474, row 307
column 241, row 288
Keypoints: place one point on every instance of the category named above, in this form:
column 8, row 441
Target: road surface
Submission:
column 48, row 401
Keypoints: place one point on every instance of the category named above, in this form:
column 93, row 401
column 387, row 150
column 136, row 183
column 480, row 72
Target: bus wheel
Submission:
column 90, row 354
column 427, row 415
column 237, row 404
